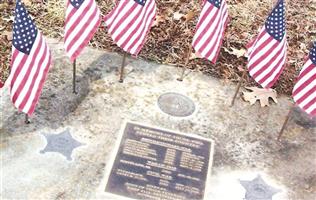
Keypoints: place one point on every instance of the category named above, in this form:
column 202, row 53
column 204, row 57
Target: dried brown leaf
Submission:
column 189, row 16
column 260, row 94
column 158, row 20
column 236, row 52
column 195, row 55
column 8, row 35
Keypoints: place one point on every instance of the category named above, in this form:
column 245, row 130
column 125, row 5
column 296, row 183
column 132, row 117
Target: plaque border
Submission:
column 114, row 152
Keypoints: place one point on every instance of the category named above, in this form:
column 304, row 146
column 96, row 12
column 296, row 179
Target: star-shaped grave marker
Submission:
column 62, row 143
column 258, row 189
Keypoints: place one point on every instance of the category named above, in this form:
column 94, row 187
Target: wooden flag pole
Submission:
column 27, row 121
column 122, row 68
column 285, row 122
column 238, row 87
column 186, row 63
column 74, row 78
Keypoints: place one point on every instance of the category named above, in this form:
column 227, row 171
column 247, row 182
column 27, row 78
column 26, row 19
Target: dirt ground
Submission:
column 244, row 135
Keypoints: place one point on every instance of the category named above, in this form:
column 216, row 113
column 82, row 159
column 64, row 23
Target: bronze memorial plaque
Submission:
column 152, row 163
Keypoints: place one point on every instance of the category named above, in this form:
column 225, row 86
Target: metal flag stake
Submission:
column 261, row 63
column 186, row 63
column 238, row 87
column 27, row 120
column 74, row 78
column 121, row 80
column 285, row 123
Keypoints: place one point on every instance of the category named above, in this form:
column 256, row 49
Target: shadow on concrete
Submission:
column 303, row 119
column 57, row 100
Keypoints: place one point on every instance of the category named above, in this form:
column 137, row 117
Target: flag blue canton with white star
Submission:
column 275, row 24
column 216, row 3
column 24, row 29
column 76, row 3
column 312, row 54
column 141, row 2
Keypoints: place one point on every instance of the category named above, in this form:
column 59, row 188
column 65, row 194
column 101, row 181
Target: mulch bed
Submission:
column 169, row 39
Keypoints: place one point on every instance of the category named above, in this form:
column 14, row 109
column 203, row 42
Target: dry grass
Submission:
column 168, row 41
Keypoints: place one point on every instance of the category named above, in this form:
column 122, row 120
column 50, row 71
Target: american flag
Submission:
column 30, row 61
column 82, row 21
column 304, row 92
column 210, row 29
column 267, row 52
column 129, row 22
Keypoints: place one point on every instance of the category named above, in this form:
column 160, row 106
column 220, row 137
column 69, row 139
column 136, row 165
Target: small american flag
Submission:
column 30, row 61
column 129, row 23
column 210, row 29
column 304, row 92
column 267, row 52
column 82, row 21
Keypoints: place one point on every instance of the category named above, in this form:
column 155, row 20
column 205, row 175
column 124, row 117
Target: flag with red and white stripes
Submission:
column 83, row 17
column 267, row 52
column 129, row 23
column 304, row 92
column 30, row 61
column 210, row 29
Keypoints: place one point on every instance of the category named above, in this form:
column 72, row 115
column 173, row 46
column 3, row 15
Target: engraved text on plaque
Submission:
column 151, row 163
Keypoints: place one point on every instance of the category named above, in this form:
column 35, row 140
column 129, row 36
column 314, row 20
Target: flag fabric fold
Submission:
column 210, row 29
column 267, row 52
column 30, row 61
column 83, row 17
column 129, row 23
column 304, row 92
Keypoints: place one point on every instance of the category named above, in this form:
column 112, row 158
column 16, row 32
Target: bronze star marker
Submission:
column 62, row 143
column 258, row 189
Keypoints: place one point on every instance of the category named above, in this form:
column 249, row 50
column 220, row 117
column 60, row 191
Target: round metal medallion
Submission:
column 176, row 104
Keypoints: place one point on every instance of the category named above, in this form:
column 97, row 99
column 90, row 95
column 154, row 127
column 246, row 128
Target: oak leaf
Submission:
column 260, row 94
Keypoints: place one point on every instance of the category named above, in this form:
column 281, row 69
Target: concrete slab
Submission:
column 245, row 136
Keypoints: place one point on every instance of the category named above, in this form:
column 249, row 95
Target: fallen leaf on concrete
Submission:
column 260, row 94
